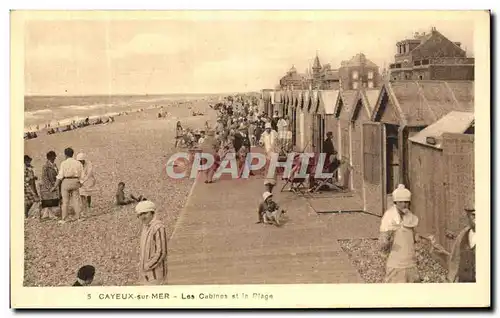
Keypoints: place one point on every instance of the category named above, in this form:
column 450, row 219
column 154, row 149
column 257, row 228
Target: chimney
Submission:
column 416, row 34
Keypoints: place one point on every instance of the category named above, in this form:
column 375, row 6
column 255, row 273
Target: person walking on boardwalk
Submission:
column 462, row 267
column 50, row 199
column 68, row 177
column 397, row 239
column 87, row 182
column 153, row 246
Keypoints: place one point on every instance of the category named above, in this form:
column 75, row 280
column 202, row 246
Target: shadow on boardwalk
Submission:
column 216, row 240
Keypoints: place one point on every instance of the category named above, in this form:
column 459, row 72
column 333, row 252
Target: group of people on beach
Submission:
column 71, row 184
column 58, row 128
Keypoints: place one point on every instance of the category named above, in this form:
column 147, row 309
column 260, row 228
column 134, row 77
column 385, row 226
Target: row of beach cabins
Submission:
column 419, row 133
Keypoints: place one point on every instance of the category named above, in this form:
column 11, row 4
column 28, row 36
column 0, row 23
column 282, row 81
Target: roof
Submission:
column 348, row 97
column 300, row 99
column 316, row 64
column 359, row 60
column 306, row 99
column 453, row 122
column 278, row 96
column 421, row 103
column 327, row 101
column 368, row 100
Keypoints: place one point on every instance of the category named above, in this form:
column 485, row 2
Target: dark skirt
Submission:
column 50, row 203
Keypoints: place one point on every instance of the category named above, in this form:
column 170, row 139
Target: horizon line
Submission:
column 138, row 94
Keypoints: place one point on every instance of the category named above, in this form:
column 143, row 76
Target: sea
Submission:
column 40, row 111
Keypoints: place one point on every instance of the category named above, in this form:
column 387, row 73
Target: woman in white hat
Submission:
column 87, row 181
column 397, row 239
column 269, row 211
column 153, row 246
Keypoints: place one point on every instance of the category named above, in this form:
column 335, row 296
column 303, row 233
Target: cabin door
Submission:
column 293, row 125
column 373, row 168
column 392, row 158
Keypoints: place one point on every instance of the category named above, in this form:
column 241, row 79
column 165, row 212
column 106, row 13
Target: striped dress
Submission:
column 153, row 257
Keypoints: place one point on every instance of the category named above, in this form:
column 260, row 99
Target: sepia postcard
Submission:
column 250, row 159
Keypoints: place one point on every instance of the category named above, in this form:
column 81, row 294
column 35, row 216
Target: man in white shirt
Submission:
column 68, row 177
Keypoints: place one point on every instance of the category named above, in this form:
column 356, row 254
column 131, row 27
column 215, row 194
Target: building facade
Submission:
column 431, row 56
column 359, row 72
column 355, row 73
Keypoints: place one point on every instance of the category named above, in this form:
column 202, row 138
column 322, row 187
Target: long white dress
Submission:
column 88, row 180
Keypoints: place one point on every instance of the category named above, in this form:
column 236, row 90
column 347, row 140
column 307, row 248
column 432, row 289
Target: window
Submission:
column 355, row 75
column 420, row 77
column 370, row 84
column 370, row 75
column 355, row 85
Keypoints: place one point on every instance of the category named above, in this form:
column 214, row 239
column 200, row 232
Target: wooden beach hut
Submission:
column 403, row 109
column 278, row 102
column 441, row 172
column 296, row 118
column 345, row 103
column 326, row 106
column 360, row 114
column 303, row 130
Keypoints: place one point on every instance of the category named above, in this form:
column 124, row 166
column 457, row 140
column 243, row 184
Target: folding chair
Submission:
column 332, row 182
column 297, row 185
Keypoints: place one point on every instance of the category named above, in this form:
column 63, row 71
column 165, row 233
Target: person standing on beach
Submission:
column 30, row 193
column 87, row 182
column 398, row 238
column 50, row 199
column 68, row 177
column 153, row 246
column 462, row 267
column 179, row 133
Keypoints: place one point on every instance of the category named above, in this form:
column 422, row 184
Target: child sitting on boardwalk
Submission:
column 121, row 199
column 269, row 211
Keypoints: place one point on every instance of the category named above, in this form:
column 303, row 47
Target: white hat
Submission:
column 401, row 194
column 80, row 156
column 145, row 206
column 268, row 125
column 266, row 195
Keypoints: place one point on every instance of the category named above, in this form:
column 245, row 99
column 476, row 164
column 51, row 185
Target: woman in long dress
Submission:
column 179, row 133
column 87, row 181
column 50, row 199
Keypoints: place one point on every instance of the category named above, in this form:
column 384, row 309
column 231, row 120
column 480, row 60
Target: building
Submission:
column 353, row 74
column 403, row 109
column 442, row 176
column 359, row 72
column 431, row 56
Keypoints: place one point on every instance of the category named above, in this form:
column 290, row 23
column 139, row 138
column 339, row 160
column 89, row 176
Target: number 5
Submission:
column 89, row 296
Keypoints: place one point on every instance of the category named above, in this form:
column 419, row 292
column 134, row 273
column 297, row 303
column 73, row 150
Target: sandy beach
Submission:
column 134, row 150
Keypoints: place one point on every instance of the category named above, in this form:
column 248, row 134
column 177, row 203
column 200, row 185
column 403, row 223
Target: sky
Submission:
column 182, row 55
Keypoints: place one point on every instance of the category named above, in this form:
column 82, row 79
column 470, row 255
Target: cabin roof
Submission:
column 349, row 98
column 454, row 122
column 327, row 100
column 421, row 103
column 368, row 99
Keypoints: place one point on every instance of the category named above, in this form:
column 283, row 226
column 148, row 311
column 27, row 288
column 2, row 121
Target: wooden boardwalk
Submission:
column 216, row 240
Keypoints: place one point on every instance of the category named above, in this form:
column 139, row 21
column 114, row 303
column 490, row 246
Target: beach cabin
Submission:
column 278, row 102
column 317, row 125
column 296, row 118
column 346, row 101
column 360, row 114
column 441, row 169
column 403, row 109
column 303, row 130
column 326, row 106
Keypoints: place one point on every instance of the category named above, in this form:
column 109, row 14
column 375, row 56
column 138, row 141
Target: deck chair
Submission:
column 297, row 185
column 337, row 168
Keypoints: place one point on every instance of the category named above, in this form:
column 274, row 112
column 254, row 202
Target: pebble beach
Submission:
column 134, row 149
